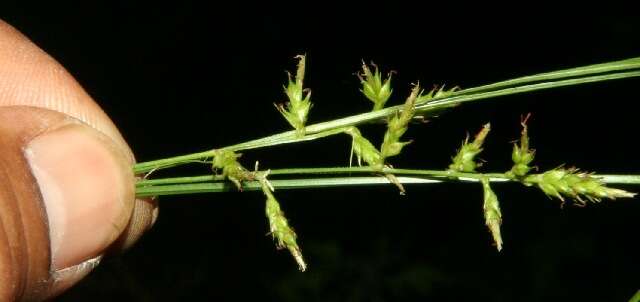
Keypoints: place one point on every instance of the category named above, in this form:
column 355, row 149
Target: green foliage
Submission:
column 373, row 87
column 464, row 160
column 299, row 104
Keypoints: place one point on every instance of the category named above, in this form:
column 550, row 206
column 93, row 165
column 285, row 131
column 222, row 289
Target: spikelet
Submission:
column 227, row 161
column 364, row 149
column 522, row 156
column 492, row 213
column 297, row 109
column 398, row 125
column 436, row 93
column 373, row 87
column 279, row 227
column 464, row 161
column 574, row 184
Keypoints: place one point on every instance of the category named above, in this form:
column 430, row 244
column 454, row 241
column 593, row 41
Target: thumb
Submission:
column 66, row 185
column 57, row 168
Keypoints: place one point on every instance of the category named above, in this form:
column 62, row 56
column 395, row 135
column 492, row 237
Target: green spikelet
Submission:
column 522, row 156
column 464, row 161
column 299, row 104
column 279, row 227
column 227, row 161
column 571, row 183
column 492, row 213
column 398, row 125
column 373, row 87
column 436, row 93
column 364, row 149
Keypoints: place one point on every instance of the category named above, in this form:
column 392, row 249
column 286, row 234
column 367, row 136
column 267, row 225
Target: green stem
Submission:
column 574, row 76
column 211, row 183
column 319, row 171
column 280, row 184
column 459, row 99
column 283, row 138
column 622, row 65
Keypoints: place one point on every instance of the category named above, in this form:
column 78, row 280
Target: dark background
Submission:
column 185, row 77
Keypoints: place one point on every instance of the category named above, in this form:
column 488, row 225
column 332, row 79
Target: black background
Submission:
column 185, row 77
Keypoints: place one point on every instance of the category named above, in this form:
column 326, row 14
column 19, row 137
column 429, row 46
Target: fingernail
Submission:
column 67, row 277
column 85, row 186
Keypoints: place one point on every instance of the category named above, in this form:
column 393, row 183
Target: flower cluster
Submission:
column 492, row 213
column 436, row 93
column 298, row 107
column 279, row 226
column 227, row 161
column 572, row 183
column 398, row 125
column 373, row 87
column 364, row 149
column 464, row 161
column 522, row 156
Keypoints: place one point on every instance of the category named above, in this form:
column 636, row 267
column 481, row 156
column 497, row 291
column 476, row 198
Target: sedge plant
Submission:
column 222, row 165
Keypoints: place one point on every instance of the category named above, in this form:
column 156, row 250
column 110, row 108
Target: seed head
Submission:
column 398, row 125
column 373, row 87
column 364, row 149
column 464, row 161
column 574, row 184
column 522, row 156
column 227, row 161
column 436, row 93
column 299, row 104
column 279, row 227
column 492, row 213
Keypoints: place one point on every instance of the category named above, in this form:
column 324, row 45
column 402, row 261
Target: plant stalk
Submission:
column 212, row 183
column 574, row 76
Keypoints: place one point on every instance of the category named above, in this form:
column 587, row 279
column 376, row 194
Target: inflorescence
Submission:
column 558, row 183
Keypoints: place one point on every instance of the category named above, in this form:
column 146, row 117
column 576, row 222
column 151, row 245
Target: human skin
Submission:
column 67, row 190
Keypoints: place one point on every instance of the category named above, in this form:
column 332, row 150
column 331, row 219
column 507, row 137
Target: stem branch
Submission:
column 575, row 76
column 213, row 183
